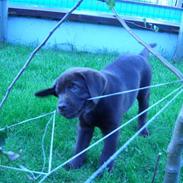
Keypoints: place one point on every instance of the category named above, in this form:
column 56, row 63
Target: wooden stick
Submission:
column 156, row 167
column 140, row 41
column 35, row 51
column 175, row 149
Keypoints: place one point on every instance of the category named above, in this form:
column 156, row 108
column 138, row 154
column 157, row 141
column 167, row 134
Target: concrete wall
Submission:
column 85, row 37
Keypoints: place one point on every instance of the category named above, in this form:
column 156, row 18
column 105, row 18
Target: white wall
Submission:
column 85, row 37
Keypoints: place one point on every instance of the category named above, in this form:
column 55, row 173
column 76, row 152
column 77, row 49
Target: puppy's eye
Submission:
column 74, row 88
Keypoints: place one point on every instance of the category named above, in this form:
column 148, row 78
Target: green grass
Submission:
column 134, row 165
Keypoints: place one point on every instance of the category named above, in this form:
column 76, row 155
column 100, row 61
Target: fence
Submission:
column 132, row 9
column 69, row 4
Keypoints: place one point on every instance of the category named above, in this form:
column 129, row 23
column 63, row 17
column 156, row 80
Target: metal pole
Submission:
column 179, row 49
column 3, row 20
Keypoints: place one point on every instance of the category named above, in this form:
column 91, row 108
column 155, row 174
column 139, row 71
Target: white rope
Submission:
column 51, row 143
column 100, row 140
column 43, row 148
column 28, row 120
column 54, row 113
column 21, row 170
column 113, row 157
column 136, row 89
column 43, row 153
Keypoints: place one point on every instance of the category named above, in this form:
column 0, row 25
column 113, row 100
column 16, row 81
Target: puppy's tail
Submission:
column 145, row 52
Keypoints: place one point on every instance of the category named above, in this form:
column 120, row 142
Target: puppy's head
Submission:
column 73, row 89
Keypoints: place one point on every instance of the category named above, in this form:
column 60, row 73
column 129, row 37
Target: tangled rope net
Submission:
column 51, row 170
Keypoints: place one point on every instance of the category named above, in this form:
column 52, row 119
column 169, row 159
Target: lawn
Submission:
column 134, row 165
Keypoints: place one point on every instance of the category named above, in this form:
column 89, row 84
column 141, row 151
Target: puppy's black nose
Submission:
column 62, row 107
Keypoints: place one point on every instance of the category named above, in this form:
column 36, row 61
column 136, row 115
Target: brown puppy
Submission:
column 75, row 86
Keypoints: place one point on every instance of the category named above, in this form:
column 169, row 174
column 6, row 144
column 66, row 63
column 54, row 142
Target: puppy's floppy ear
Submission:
column 96, row 83
column 46, row 92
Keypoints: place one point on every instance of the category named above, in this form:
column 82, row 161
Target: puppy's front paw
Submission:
column 68, row 166
column 72, row 165
column 144, row 133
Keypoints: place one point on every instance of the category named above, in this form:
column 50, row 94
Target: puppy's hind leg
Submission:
column 143, row 103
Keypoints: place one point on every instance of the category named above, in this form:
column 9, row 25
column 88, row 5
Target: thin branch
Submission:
column 156, row 167
column 155, row 53
column 35, row 51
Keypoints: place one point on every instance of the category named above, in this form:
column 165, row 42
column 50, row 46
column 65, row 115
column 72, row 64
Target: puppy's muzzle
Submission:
column 66, row 111
column 62, row 108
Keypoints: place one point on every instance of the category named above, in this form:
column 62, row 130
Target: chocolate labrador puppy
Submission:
column 75, row 86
